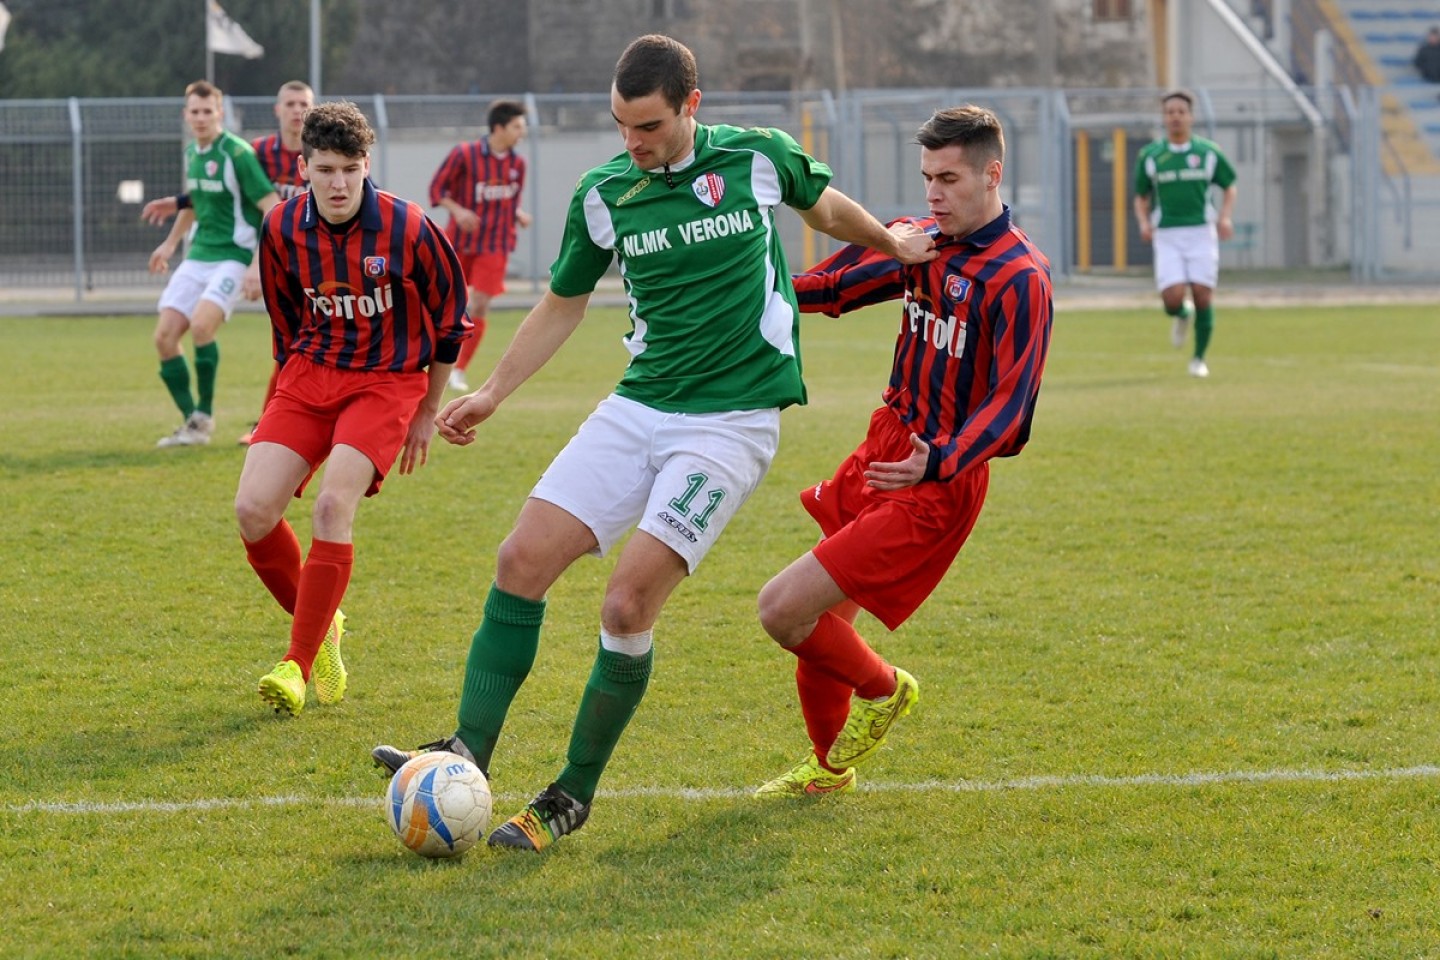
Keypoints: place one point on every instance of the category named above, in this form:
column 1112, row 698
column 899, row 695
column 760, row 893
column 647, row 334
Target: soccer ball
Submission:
column 438, row 804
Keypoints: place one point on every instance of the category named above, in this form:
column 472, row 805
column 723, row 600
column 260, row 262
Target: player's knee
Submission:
column 776, row 616
column 255, row 517
column 626, row 610
column 520, row 566
column 333, row 515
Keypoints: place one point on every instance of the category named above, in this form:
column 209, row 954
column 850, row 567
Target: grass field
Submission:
column 1180, row 694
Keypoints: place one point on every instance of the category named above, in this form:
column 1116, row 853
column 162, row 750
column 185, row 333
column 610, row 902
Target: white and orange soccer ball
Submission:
column 438, row 804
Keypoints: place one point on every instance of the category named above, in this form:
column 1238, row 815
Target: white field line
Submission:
column 698, row 794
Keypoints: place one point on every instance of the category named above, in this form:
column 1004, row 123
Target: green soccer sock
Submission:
column 501, row 655
column 1204, row 326
column 176, row 374
column 617, row 683
column 207, row 361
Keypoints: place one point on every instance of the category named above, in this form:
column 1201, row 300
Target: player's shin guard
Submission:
column 836, row 650
column 275, row 558
column 322, row 585
column 1204, row 326
column 616, row 686
column 825, row 704
column 207, row 362
column 175, row 373
column 501, row 655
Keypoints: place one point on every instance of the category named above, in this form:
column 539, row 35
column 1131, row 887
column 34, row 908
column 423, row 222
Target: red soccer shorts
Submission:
column 889, row 549
column 317, row 408
column 485, row 272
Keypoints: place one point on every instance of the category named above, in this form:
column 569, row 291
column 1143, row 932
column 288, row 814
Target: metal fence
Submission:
column 1317, row 187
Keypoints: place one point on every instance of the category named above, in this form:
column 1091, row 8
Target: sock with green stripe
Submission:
column 176, row 375
column 501, row 655
column 617, row 684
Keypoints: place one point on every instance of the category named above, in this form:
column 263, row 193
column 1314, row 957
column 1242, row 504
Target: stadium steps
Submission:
column 1380, row 36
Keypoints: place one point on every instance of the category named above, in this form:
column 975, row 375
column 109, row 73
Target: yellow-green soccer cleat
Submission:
column 870, row 721
column 284, row 687
column 544, row 820
column 808, row 779
column 328, row 670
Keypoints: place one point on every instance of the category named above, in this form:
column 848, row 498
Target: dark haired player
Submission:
column 974, row 332
column 689, row 210
column 1177, row 216
column 480, row 183
column 365, row 298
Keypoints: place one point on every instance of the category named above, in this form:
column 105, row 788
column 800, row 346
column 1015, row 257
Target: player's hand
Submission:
column 912, row 245
column 466, row 221
column 416, row 451
column 523, row 219
column 457, row 422
column 902, row 473
column 157, row 211
column 250, row 286
column 160, row 258
column 1225, row 228
column 1147, row 232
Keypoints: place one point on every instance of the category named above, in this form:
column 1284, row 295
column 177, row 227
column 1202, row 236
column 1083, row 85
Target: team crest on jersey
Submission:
column 211, row 168
column 709, row 188
column 957, row 288
column 1193, row 160
column 375, row 266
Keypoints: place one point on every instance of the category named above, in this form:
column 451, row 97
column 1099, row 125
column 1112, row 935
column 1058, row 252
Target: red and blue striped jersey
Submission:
column 382, row 292
column 280, row 165
column 974, row 333
column 487, row 183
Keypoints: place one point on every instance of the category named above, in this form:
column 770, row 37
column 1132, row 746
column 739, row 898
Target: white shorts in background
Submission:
column 1187, row 255
column 680, row 476
column 220, row 282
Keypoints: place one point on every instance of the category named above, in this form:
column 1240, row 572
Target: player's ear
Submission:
column 302, row 168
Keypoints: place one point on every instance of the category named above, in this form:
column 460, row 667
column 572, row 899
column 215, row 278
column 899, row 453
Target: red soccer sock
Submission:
column 836, row 650
column 276, row 560
column 825, row 703
column 323, row 580
column 470, row 344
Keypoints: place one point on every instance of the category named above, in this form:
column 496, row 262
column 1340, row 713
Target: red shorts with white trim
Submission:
column 889, row 549
column 317, row 408
column 485, row 272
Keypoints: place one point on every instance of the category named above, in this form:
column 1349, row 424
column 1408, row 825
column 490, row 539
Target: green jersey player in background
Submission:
column 229, row 195
column 689, row 211
column 1173, row 204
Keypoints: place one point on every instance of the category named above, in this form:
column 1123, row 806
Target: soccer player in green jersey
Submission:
column 1174, row 206
column 689, row 212
column 229, row 196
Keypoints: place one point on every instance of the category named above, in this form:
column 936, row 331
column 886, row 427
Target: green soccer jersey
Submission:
column 1177, row 179
column 714, row 325
column 225, row 181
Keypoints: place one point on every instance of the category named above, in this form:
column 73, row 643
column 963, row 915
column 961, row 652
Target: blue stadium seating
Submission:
column 1390, row 31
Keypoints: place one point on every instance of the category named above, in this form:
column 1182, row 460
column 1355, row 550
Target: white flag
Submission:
column 4, row 24
column 223, row 35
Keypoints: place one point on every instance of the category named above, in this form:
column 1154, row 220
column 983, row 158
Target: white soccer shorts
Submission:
column 679, row 476
column 219, row 282
column 1187, row 255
